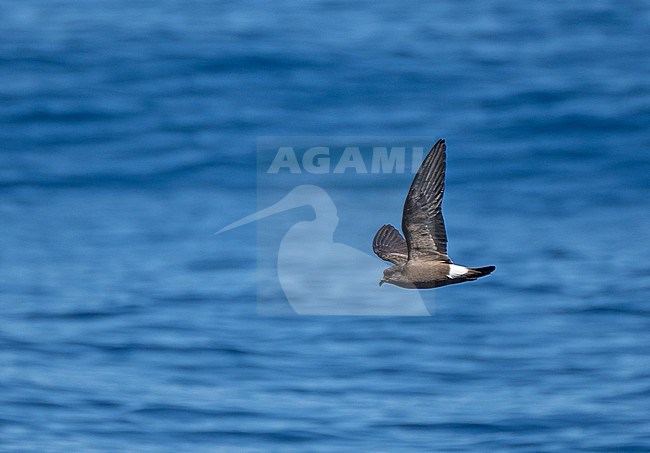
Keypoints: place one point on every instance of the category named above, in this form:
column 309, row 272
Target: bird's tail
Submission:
column 478, row 272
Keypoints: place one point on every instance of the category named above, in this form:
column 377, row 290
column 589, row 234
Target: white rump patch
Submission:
column 456, row 271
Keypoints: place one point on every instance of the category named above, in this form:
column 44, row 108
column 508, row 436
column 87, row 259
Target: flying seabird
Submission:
column 420, row 260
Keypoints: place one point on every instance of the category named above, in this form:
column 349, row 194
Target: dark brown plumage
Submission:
column 420, row 260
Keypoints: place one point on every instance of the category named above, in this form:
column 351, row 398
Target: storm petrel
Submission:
column 420, row 260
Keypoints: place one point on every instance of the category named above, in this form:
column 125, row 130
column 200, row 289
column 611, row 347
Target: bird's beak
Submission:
column 304, row 195
column 381, row 282
column 288, row 202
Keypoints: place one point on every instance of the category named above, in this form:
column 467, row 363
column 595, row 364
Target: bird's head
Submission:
column 394, row 275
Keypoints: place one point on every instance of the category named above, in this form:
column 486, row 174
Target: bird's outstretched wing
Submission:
column 389, row 245
column 422, row 220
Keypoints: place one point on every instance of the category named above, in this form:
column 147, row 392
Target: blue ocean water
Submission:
column 128, row 137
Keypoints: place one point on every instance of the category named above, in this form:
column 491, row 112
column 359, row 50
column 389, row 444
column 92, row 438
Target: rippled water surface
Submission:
column 128, row 137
